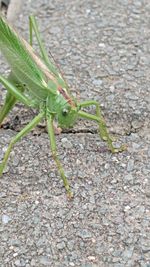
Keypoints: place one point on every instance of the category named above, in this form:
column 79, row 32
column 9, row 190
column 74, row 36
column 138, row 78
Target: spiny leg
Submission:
column 54, row 154
column 15, row 139
column 102, row 125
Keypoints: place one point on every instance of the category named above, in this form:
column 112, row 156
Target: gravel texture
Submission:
column 103, row 49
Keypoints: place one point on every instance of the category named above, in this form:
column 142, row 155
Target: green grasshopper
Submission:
column 38, row 83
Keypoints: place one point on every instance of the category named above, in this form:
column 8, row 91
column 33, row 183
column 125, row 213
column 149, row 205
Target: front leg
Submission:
column 104, row 134
column 50, row 127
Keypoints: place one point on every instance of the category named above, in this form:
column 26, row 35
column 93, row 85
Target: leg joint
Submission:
column 54, row 155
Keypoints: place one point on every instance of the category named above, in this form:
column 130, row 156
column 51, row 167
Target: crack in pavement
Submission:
column 7, row 126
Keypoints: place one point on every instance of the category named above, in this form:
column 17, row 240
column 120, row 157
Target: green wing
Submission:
column 23, row 66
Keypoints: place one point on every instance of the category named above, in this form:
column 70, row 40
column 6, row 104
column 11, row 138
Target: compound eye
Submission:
column 65, row 112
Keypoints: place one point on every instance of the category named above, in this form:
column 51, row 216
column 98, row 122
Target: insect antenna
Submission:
column 62, row 74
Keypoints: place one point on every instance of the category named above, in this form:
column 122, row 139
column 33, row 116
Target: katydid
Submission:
column 38, row 83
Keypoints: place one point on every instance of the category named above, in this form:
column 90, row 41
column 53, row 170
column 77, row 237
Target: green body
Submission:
column 37, row 82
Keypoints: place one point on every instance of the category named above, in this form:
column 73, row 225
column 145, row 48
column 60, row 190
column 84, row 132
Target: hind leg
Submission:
column 10, row 99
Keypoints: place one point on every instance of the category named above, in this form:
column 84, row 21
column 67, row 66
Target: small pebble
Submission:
column 85, row 234
column 127, row 208
column 61, row 245
column 17, row 263
column 5, row 218
column 66, row 143
column 130, row 165
column 44, row 260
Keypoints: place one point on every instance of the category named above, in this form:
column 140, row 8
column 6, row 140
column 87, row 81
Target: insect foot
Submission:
column 69, row 194
column 118, row 150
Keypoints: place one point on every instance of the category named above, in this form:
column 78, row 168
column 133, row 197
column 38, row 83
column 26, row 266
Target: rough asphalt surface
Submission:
column 103, row 49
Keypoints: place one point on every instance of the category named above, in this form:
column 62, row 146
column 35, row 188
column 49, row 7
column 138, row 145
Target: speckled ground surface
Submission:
column 103, row 49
